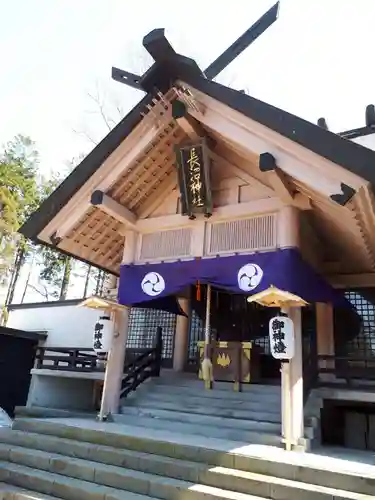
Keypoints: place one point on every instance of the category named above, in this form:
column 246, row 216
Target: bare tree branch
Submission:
column 44, row 294
column 86, row 135
column 102, row 113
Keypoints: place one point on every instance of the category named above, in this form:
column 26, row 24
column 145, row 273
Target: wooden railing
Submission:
column 67, row 358
column 347, row 368
column 143, row 366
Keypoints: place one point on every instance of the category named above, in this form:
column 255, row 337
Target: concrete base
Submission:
column 63, row 390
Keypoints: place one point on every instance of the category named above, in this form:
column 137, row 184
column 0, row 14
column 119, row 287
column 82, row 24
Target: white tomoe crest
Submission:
column 249, row 277
column 153, row 284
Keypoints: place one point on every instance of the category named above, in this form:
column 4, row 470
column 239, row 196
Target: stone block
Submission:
column 112, row 456
column 72, row 489
column 172, row 489
column 124, row 479
column 4, row 451
column 72, row 468
column 30, row 458
column 30, row 479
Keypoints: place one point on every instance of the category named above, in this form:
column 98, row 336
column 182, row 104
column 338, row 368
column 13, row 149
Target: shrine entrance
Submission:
column 234, row 321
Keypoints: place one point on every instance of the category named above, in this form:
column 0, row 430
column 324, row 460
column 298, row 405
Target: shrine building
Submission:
column 203, row 197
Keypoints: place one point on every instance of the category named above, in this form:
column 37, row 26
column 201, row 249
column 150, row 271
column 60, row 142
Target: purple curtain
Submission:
column 246, row 274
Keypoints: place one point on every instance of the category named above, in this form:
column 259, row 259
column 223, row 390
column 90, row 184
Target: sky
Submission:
column 316, row 60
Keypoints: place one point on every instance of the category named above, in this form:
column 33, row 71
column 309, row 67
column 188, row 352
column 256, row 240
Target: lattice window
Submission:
column 142, row 330
column 361, row 343
column 174, row 243
column 256, row 233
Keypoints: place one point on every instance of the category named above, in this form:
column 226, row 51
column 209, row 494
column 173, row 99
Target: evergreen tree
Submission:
column 18, row 198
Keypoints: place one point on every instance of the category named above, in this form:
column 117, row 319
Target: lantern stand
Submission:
column 207, row 363
column 110, row 308
column 274, row 297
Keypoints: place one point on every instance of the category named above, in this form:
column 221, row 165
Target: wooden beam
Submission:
column 228, row 212
column 237, row 171
column 321, row 174
column 352, row 280
column 114, row 209
column 164, row 189
column 302, row 202
column 281, row 185
column 187, row 123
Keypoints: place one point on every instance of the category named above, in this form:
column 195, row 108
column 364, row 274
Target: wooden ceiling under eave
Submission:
column 98, row 237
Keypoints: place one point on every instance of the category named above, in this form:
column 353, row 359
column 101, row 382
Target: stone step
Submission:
column 204, row 481
column 69, row 488
column 153, row 463
column 176, row 380
column 60, row 486
column 217, row 399
column 44, row 412
column 247, row 412
column 255, row 413
column 215, row 394
column 10, row 492
column 251, row 431
column 261, row 436
column 202, row 419
column 116, row 445
column 5, row 420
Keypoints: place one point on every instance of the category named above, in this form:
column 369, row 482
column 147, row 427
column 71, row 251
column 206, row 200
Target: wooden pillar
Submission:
column 288, row 227
column 325, row 337
column 296, row 379
column 181, row 337
column 116, row 356
column 292, row 375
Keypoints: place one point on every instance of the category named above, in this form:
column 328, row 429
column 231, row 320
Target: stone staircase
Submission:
column 80, row 459
column 5, row 420
column 182, row 404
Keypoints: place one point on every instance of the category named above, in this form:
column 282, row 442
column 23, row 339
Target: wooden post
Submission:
column 292, row 372
column 286, row 406
column 296, row 379
column 116, row 357
column 181, row 337
column 325, row 338
column 288, row 227
column 286, row 400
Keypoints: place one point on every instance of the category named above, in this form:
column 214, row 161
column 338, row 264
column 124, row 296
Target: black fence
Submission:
column 67, row 358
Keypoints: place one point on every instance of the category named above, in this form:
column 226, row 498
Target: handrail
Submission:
column 67, row 358
column 144, row 366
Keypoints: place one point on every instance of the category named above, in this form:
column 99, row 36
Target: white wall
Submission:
column 66, row 325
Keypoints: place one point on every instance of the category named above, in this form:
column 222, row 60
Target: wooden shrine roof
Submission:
column 146, row 138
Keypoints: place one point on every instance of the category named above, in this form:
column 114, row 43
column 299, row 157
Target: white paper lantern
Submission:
column 281, row 331
column 103, row 333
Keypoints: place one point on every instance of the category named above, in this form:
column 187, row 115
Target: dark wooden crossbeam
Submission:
column 370, row 115
column 243, row 42
column 158, row 46
column 126, row 77
column 164, row 54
